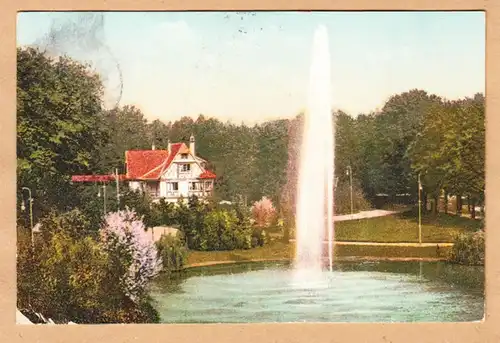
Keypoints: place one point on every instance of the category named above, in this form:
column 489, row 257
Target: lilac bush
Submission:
column 124, row 235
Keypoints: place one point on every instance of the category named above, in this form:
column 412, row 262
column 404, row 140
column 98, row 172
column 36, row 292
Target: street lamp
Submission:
column 23, row 208
column 349, row 172
column 103, row 195
column 419, row 210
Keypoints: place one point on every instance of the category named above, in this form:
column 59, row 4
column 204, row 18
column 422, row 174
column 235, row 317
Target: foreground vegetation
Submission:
column 72, row 273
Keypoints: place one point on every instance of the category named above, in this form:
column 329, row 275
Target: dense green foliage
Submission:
column 69, row 276
column 173, row 252
column 211, row 227
column 469, row 249
column 59, row 126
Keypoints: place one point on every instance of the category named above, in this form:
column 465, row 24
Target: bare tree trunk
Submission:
column 459, row 205
column 424, row 202
column 468, row 204
column 435, row 205
column 473, row 211
column 445, row 202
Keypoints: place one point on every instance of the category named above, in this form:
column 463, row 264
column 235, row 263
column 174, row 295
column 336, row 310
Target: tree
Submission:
column 59, row 126
column 451, row 148
column 127, row 129
column 271, row 160
column 159, row 133
column 400, row 123
column 347, row 144
column 125, row 239
column 263, row 212
column 172, row 250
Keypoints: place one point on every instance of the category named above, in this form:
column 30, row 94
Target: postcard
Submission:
column 250, row 167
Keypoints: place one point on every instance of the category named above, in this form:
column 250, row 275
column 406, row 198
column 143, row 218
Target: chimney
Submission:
column 169, row 146
column 191, row 145
column 153, row 147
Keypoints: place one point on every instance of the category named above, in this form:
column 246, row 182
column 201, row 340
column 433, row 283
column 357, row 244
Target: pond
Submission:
column 352, row 292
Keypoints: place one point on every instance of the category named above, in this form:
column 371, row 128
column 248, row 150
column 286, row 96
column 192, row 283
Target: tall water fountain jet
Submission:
column 314, row 208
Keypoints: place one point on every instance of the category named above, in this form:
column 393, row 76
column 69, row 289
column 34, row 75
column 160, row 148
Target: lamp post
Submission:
column 117, row 178
column 349, row 172
column 103, row 196
column 419, row 210
column 23, row 208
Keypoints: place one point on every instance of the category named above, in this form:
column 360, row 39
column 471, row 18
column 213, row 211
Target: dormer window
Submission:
column 184, row 156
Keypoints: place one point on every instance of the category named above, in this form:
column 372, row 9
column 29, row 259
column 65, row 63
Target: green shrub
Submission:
column 172, row 250
column 219, row 229
column 259, row 237
column 210, row 228
column 468, row 249
column 163, row 213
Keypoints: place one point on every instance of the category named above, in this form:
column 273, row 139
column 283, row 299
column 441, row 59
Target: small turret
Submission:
column 191, row 145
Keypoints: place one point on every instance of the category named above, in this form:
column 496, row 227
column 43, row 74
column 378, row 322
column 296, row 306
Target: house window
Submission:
column 186, row 167
column 173, row 186
column 194, row 186
column 208, row 185
column 184, row 156
column 153, row 188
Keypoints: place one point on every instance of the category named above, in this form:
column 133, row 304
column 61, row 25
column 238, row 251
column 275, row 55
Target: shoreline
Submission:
column 340, row 259
column 391, row 244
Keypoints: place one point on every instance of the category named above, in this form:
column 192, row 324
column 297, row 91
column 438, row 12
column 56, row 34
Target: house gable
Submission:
column 171, row 172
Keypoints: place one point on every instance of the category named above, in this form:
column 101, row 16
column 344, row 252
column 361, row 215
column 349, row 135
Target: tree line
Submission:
column 63, row 129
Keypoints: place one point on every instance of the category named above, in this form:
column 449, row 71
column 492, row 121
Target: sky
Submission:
column 252, row 67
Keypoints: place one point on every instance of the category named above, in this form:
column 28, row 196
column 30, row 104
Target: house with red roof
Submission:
column 170, row 174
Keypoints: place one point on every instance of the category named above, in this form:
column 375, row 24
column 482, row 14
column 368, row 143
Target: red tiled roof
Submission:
column 143, row 165
column 149, row 164
column 95, row 178
column 207, row 175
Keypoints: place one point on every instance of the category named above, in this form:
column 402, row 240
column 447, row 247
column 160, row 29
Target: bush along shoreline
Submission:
column 468, row 249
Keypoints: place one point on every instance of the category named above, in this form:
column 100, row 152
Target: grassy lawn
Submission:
column 279, row 250
column 274, row 250
column 392, row 251
column 396, row 228
column 404, row 228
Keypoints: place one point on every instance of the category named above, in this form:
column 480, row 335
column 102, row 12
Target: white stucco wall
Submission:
column 134, row 185
column 184, row 188
column 163, row 188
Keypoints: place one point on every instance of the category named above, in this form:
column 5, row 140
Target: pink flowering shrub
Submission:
column 125, row 238
column 263, row 212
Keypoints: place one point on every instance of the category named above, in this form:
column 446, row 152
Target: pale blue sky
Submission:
column 187, row 63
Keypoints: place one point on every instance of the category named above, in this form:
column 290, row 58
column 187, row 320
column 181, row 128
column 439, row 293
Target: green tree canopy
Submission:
column 59, row 125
